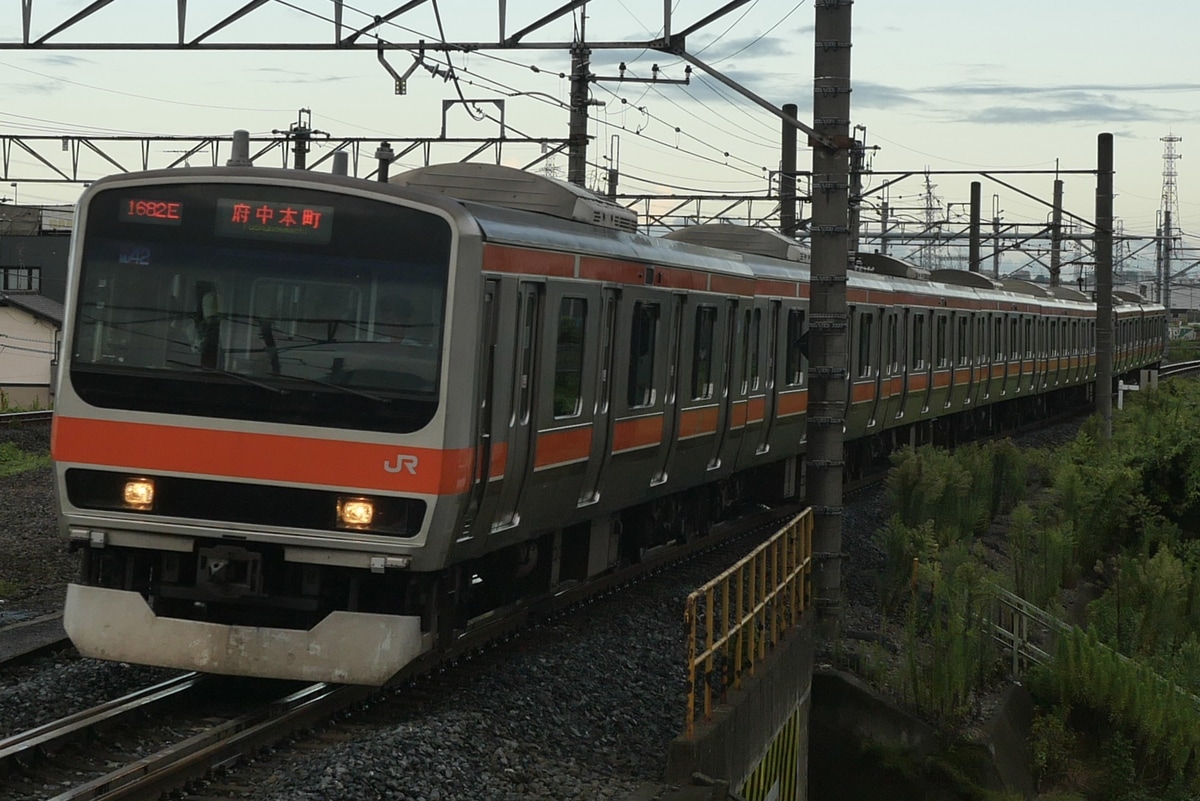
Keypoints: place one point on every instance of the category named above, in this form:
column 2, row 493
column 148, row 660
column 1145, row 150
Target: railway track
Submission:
column 101, row 753
column 15, row 418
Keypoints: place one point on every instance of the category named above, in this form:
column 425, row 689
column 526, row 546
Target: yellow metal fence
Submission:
column 733, row 620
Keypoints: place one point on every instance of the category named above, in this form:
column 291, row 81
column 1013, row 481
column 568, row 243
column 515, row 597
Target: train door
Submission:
column 879, row 348
column 486, row 382
column 520, row 422
column 771, row 402
column 670, row 433
column 602, row 419
column 725, row 409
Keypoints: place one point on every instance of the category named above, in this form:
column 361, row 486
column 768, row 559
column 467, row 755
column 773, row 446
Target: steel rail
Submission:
column 191, row 759
column 9, row 418
column 22, row 747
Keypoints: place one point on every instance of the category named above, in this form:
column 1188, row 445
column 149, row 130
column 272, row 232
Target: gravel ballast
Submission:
column 579, row 708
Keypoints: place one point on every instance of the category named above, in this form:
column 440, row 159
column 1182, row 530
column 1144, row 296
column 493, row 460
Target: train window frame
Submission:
column 866, row 324
column 893, row 331
column 703, row 339
column 795, row 349
column 756, row 349
column 640, row 390
column 918, row 341
column 942, row 342
column 963, row 336
column 526, row 356
column 572, row 311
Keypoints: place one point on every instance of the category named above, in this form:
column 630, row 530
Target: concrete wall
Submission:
column 730, row 746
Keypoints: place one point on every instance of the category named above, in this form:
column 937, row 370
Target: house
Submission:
column 30, row 329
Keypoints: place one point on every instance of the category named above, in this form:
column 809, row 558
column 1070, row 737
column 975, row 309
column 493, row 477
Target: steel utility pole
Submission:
column 1056, row 237
column 1104, row 307
column 973, row 257
column 577, row 126
column 828, row 319
column 787, row 175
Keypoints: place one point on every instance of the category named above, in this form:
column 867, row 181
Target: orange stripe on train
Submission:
column 639, row 432
column 261, row 457
column 500, row 259
column 563, row 446
column 697, row 422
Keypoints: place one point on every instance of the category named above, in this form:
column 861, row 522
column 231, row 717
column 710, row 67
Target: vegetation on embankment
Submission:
column 13, row 460
column 1118, row 520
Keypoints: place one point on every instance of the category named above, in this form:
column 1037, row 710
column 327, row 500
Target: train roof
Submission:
column 508, row 187
column 720, row 248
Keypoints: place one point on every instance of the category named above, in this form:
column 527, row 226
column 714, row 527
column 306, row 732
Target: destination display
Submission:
column 281, row 221
column 157, row 212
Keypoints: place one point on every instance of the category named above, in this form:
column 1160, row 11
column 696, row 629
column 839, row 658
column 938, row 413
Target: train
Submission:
column 309, row 426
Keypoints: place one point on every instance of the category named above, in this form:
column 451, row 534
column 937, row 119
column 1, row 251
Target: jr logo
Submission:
column 403, row 462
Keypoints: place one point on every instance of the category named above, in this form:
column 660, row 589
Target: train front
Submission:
column 251, row 439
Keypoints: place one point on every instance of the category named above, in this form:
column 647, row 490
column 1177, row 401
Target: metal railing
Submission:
column 734, row 620
column 1023, row 629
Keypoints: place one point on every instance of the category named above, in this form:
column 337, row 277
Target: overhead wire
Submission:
column 512, row 91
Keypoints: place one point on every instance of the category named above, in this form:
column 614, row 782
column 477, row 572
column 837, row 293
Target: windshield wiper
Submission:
column 243, row 378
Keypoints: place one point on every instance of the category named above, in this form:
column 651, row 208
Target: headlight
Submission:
column 355, row 512
column 139, row 493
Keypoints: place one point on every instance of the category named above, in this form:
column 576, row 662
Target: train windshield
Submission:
column 261, row 303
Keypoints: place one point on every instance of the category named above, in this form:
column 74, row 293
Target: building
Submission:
column 34, row 249
column 30, row 328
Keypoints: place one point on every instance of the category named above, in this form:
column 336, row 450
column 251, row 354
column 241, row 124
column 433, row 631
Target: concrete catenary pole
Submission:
column 1104, row 305
column 787, row 175
column 1056, row 235
column 973, row 248
column 828, row 319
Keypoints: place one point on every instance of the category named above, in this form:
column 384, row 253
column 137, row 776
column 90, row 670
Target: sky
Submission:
column 938, row 85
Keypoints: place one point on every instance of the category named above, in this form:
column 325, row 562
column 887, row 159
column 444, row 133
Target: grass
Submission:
column 13, row 460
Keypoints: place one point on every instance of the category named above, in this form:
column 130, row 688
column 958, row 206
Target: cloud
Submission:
column 275, row 73
column 64, row 60
column 41, row 88
column 996, row 103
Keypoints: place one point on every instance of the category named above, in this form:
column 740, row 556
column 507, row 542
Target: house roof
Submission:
column 35, row 304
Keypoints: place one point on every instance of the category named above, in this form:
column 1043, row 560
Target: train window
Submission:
column 702, row 353
column 964, row 354
column 1029, row 344
column 1014, row 345
column 797, row 348
column 525, row 377
column 865, row 324
column 998, row 338
column 772, row 343
column 893, row 328
column 568, row 358
column 918, row 342
column 755, row 341
column 643, row 334
column 942, row 343
column 751, row 323
column 610, row 323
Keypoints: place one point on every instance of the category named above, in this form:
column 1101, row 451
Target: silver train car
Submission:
column 308, row 425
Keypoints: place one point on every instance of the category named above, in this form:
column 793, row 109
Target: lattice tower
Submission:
column 932, row 255
column 1168, row 217
column 1170, row 195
